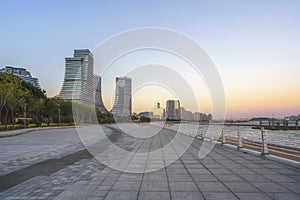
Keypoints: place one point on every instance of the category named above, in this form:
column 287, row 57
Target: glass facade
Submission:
column 122, row 105
column 173, row 110
column 80, row 82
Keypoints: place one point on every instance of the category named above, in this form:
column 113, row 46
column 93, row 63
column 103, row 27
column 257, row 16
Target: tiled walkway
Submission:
column 223, row 174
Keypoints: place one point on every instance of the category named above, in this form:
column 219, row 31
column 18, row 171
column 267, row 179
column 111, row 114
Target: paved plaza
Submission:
column 53, row 164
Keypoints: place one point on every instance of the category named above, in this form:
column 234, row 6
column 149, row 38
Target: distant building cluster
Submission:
column 22, row 73
column 174, row 112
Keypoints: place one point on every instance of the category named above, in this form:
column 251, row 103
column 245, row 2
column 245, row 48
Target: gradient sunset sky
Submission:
column 255, row 45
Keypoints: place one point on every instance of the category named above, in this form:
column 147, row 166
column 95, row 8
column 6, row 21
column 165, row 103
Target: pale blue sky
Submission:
column 254, row 44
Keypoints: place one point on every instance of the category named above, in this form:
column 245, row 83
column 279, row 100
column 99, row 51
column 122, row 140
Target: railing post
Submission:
column 264, row 141
column 240, row 142
column 223, row 137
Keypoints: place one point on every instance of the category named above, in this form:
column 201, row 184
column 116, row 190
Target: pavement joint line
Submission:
column 166, row 171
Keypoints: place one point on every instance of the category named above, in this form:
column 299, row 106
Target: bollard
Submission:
column 223, row 137
column 240, row 143
column 264, row 141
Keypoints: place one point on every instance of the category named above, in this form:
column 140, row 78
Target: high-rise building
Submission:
column 204, row 117
column 173, row 110
column 79, row 77
column 209, row 117
column 158, row 112
column 122, row 105
column 22, row 73
column 197, row 116
column 185, row 115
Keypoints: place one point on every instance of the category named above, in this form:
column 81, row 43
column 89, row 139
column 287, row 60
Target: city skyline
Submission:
column 255, row 47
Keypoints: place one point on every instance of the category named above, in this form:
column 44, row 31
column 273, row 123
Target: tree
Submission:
column 14, row 92
column 10, row 95
column 51, row 107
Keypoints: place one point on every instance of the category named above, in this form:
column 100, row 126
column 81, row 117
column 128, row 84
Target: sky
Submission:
column 255, row 45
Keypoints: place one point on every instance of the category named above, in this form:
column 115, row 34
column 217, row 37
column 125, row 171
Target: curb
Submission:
column 23, row 131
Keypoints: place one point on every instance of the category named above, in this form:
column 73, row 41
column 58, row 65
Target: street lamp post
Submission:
column 25, row 117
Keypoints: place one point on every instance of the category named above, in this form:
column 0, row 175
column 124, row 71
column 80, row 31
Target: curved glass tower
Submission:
column 80, row 82
column 122, row 105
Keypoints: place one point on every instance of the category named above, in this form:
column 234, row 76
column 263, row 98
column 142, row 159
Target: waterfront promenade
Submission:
column 53, row 164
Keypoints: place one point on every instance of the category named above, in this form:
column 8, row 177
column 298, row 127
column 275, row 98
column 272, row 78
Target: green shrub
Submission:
column 44, row 125
column 10, row 127
column 31, row 125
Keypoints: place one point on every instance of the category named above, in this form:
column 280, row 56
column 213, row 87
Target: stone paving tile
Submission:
column 240, row 187
column 204, row 177
column 154, row 177
column 295, row 187
column 228, row 177
column 219, row 196
column 270, row 187
column 99, row 193
column 156, row 186
column 198, row 171
column 121, row 195
column 130, row 177
column 279, row 178
column 187, row 196
column 254, row 178
column 220, row 171
column 212, row 187
column 180, row 177
column 182, row 186
column 193, row 166
column 284, row 196
column 213, row 166
column 126, row 186
column 154, row 195
column 242, row 171
column 179, row 171
column 253, row 196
